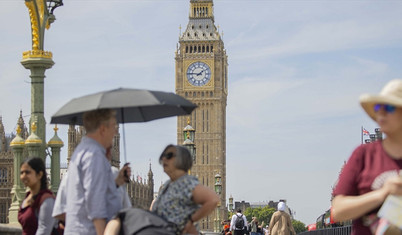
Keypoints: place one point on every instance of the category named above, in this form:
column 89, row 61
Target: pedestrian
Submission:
column 238, row 223
column 35, row 213
column 281, row 223
column 92, row 198
column 181, row 201
column 59, row 209
column 266, row 230
column 373, row 171
column 253, row 226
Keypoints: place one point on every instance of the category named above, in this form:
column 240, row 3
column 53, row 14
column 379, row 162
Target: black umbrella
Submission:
column 131, row 105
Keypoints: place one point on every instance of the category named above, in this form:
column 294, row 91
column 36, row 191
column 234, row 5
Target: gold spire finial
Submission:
column 18, row 130
column 55, row 128
column 33, row 127
column 188, row 120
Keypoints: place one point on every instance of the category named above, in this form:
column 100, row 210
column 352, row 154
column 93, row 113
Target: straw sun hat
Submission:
column 390, row 94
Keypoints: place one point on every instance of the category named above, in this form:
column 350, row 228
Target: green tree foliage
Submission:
column 299, row 226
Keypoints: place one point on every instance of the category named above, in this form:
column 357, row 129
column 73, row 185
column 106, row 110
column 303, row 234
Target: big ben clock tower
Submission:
column 201, row 77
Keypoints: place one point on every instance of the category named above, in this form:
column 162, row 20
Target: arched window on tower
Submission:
column 212, row 48
column 203, row 120
column 207, row 155
column 207, row 12
column 207, row 120
column 186, row 49
column 199, row 49
column 203, row 49
column 207, row 49
column 191, row 49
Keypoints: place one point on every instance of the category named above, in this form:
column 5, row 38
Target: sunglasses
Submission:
column 168, row 156
column 387, row 107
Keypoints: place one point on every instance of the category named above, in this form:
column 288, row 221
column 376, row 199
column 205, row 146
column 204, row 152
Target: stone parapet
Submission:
column 10, row 229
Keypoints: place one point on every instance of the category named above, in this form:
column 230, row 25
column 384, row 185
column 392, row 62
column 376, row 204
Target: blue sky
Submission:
column 296, row 70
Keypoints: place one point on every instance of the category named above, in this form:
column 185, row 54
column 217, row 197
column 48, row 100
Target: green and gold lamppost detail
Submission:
column 218, row 190
column 38, row 60
column 17, row 192
column 55, row 144
column 189, row 136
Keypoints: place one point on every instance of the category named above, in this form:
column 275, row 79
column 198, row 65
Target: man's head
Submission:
column 239, row 210
column 101, row 126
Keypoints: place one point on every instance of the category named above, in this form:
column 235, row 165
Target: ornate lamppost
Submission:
column 189, row 136
column 218, row 190
column 37, row 61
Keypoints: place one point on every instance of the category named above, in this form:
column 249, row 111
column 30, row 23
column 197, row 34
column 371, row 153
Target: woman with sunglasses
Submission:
column 181, row 201
column 374, row 170
column 35, row 213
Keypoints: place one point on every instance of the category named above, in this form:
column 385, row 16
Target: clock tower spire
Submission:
column 201, row 77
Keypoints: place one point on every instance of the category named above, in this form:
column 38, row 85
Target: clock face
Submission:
column 198, row 73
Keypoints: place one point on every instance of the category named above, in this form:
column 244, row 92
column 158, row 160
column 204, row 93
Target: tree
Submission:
column 299, row 226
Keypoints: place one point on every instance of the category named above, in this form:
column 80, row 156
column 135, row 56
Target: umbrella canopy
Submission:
column 131, row 105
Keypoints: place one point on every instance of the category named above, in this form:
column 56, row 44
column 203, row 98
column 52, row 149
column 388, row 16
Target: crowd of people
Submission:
column 91, row 200
column 280, row 224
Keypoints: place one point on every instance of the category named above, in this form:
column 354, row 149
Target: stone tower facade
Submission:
column 202, row 78
column 75, row 135
column 141, row 192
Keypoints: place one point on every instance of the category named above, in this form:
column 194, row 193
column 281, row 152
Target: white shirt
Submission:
column 233, row 221
column 91, row 189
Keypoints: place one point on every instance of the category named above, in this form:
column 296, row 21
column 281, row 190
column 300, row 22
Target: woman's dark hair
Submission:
column 38, row 165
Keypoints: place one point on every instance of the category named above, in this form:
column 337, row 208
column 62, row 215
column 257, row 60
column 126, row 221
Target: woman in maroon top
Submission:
column 35, row 213
column 374, row 170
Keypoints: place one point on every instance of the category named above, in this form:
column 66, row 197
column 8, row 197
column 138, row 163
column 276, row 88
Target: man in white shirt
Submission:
column 238, row 223
column 92, row 197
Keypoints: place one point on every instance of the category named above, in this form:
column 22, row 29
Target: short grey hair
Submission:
column 183, row 159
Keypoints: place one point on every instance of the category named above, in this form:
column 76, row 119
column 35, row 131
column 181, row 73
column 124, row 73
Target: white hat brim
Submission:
column 368, row 101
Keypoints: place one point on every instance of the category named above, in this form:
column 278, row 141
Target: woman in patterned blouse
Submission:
column 182, row 200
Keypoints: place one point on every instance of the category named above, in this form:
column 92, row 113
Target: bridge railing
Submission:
column 345, row 230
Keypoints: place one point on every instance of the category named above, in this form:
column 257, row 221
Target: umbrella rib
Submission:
column 124, row 135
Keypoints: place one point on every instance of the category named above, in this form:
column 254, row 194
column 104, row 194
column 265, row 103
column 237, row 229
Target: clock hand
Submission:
column 198, row 74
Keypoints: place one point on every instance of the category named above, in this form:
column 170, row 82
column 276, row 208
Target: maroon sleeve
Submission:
column 349, row 177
